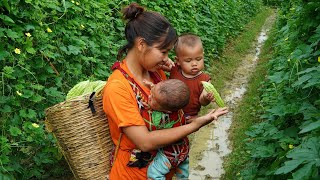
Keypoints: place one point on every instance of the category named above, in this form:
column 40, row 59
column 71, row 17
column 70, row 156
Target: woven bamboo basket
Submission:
column 83, row 136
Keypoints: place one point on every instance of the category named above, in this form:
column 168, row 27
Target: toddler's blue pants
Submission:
column 160, row 166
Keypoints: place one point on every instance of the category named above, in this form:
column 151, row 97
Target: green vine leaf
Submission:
column 74, row 50
column 6, row 19
column 14, row 131
column 31, row 50
column 310, row 127
column 6, row 109
column 12, row 34
column 3, row 54
column 304, row 172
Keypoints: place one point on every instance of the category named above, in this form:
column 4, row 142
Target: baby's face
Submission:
column 155, row 97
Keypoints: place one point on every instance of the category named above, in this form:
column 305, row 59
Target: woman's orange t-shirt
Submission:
column 120, row 106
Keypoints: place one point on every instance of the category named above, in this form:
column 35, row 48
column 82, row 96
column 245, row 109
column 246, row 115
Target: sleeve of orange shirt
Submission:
column 121, row 105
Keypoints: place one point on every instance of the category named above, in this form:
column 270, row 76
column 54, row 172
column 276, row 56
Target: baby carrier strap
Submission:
column 138, row 158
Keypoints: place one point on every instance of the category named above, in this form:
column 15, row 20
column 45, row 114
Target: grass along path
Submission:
column 205, row 146
column 247, row 112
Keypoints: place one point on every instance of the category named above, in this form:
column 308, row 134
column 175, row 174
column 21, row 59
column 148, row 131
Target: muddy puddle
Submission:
column 210, row 144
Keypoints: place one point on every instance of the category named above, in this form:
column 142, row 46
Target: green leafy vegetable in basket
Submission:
column 85, row 87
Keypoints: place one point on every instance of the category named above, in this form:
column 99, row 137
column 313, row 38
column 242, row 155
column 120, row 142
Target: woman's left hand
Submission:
column 209, row 117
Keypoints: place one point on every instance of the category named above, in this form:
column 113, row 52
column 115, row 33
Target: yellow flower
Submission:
column 28, row 34
column 291, row 146
column 82, row 26
column 49, row 30
column 288, row 60
column 35, row 125
column 72, row 2
column 77, row 3
column 17, row 51
column 319, row 59
column 286, row 39
column 19, row 93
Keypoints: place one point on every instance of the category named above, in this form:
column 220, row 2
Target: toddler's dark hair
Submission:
column 187, row 39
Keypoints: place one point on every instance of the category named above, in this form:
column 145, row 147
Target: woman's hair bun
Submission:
column 132, row 11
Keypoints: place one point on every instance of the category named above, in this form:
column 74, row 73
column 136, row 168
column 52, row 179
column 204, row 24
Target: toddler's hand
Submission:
column 210, row 97
column 189, row 119
column 149, row 84
column 168, row 65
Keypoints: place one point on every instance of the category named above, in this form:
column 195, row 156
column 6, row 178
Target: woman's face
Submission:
column 153, row 57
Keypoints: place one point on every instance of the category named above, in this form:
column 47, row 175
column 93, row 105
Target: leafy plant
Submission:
column 286, row 144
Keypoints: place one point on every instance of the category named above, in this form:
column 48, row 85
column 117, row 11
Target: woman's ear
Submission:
column 141, row 44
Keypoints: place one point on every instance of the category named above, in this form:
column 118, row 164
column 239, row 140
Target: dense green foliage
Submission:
column 46, row 47
column 274, row 2
column 286, row 144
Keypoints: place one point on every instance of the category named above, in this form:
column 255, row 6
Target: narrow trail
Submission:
column 211, row 144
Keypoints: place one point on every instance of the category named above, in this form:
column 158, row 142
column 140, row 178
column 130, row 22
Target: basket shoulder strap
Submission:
column 117, row 149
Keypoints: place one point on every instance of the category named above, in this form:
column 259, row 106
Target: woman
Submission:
column 132, row 126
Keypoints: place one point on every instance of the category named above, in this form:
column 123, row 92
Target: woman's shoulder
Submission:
column 116, row 75
column 117, row 81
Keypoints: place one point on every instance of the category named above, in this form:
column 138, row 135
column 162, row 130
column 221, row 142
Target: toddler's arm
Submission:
column 168, row 65
column 205, row 98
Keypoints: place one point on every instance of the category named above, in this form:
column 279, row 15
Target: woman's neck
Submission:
column 134, row 66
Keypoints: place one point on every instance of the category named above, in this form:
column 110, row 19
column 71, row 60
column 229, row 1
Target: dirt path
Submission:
column 211, row 144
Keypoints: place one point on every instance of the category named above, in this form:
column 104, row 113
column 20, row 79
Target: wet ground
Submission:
column 210, row 144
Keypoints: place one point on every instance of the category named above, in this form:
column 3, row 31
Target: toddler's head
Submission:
column 169, row 95
column 189, row 54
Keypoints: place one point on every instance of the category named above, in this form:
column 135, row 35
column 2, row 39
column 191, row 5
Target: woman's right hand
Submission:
column 209, row 117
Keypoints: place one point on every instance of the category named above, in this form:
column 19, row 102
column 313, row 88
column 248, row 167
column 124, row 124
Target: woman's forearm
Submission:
column 152, row 140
